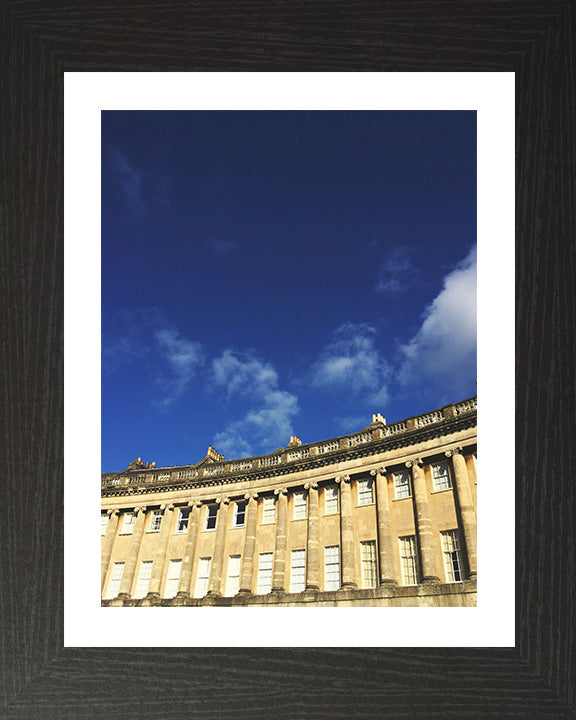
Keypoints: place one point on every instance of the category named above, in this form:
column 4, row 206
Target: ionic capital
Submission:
column 343, row 478
column 417, row 461
column 194, row 504
column 311, row 486
column 453, row 451
column 379, row 471
column 251, row 496
column 167, row 506
column 223, row 500
column 281, row 491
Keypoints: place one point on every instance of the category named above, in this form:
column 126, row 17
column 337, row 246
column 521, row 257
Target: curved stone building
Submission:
column 382, row 517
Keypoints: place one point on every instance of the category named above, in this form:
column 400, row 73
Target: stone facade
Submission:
column 383, row 517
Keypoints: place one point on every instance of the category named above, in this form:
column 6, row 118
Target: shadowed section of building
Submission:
column 382, row 517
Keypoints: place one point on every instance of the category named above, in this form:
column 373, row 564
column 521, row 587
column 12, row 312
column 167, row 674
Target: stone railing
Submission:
column 112, row 480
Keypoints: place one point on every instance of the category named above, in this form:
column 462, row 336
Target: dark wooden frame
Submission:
column 40, row 40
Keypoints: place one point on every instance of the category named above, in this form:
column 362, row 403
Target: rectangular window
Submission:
column 173, row 578
column 408, row 560
column 452, row 557
column 441, row 476
column 332, row 567
column 115, row 579
column 155, row 521
column 402, row 485
column 368, row 558
column 103, row 524
column 264, row 574
column 128, row 523
column 239, row 514
column 365, row 492
column 269, row 510
column 298, row 571
column 299, row 505
column 143, row 579
column 202, row 577
column 211, row 512
column 331, row 500
column 233, row 576
column 183, row 520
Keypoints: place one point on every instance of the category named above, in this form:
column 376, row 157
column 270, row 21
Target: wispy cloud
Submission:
column 268, row 422
column 351, row 361
column 140, row 191
column 221, row 247
column 396, row 272
column 129, row 180
column 184, row 358
column 443, row 351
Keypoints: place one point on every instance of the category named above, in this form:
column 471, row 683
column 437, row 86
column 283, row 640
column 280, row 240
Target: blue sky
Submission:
column 274, row 273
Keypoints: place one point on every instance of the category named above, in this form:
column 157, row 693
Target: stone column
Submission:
column 132, row 559
column 424, row 524
column 279, row 572
column 108, row 542
column 215, row 582
column 466, row 503
column 249, row 544
column 385, row 544
column 313, row 539
column 346, row 533
column 160, row 554
column 188, row 559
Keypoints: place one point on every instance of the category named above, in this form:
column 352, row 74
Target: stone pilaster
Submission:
column 467, row 512
column 313, row 539
column 384, row 528
column 279, row 572
column 108, row 543
column 346, row 533
column 249, row 544
column 132, row 559
column 214, row 586
column 160, row 554
column 188, row 559
column 425, row 537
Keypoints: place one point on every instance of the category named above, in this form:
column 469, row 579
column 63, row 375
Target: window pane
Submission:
column 211, row 512
column 264, row 574
column 202, row 577
column 332, row 568
column 365, row 493
column 103, row 524
column 233, row 576
column 401, row 485
column 269, row 510
column 298, row 571
column 183, row 519
column 239, row 513
column 408, row 560
column 452, row 557
column 368, row 557
column 173, row 578
column 441, row 476
column 331, row 500
column 128, row 523
column 299, row 505
column 143, row 579
column 115, row 579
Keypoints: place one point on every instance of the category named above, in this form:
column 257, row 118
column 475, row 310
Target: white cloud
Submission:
column 443, row 351
column 396, row 272
column 184, row 357
column 351, row 361
column 267, row 425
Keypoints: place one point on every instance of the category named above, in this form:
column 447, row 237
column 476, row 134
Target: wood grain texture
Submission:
column 42, row 39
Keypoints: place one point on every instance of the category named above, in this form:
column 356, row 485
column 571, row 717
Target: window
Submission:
column 365, row 492
column 408, row 560
column 202, row 577
column 103, row 524
column 332, row 568
column 451, row 552
column 298, row 571
column 331, row 500
column 128, row 524
column 264, row 574
column 269, row 510
column 441, row 476
column 368, row 558
column 299, row 505
column 155, row 521
column 183, row 519
column 233, row 576
column 402, row 485
column 173, row 578
column 211, row 512
column 239, row 514
column 143, row 579
column 115, row 578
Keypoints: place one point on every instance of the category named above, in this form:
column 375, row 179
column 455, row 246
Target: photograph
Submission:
column 289, row 358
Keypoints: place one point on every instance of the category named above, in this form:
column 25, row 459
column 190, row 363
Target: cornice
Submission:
column 409, row 437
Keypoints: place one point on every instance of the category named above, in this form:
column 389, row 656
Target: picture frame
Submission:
column 41, row 678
